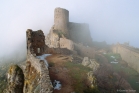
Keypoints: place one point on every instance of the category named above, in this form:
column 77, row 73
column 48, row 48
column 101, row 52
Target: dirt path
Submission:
column 59, row 72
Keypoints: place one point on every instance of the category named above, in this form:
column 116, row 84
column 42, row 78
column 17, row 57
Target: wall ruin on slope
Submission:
column 36, row 46
column 85, row 51
column 128, row 54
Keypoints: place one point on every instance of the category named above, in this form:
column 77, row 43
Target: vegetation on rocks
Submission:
column 78, row 73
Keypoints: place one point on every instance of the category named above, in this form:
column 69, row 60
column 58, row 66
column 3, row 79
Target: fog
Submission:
column 109, row 20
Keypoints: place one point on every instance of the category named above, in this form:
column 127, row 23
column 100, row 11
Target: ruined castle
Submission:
column 64, row 38
column 72, row 36
column 128, row 54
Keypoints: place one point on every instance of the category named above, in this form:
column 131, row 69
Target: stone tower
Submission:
column 61, row 20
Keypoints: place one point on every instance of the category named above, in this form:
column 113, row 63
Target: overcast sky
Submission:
column 109, row 20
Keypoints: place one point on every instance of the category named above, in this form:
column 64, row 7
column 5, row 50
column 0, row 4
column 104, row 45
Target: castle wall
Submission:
column 66, row 43
column 61, row 19
column 84, row 51
column 35, row 40
column 128, row 55
column 34, row 61
column 80, row 33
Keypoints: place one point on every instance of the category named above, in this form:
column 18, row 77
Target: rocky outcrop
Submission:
column 56, row 39
column 91, row 63
column 37, row 81
column 52, row 39
column 15, row 80
column 91, row 79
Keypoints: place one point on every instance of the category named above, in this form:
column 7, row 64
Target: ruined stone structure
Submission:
column 61, row 20
column 35, row 42
column 80, row 33
column 64, row 38
column 66, row 43
column 128, row 54
column 65, row 34
column 85, row 50
column 37, row 75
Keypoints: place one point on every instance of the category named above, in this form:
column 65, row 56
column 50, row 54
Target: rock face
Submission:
column 56, row 39
column 91, row 63
column 91, row 79
column 15, row 80
column 52, row 39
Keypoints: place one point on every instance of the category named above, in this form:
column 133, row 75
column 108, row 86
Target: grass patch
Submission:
column 116, row 55
column 78, row 73
column 132, row 75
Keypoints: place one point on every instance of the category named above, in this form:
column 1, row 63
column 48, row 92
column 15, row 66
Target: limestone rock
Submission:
column 52, row 39
column 91, row 63
column 85, row 61
column 91, row 78
column 66, row 43
column 15, row 80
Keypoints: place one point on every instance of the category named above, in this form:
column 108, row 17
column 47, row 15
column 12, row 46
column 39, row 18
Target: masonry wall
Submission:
column 80, row 33
column 66, row 43
column 128, row 54
column 85, row 51
column 35, row 40
column 61, row 19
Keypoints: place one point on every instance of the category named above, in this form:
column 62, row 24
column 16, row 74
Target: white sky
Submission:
column 109, row 20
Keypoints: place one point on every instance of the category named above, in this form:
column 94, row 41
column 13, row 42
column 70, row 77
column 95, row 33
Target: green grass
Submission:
column 108, row 56
column 78, row 72
column 132, row 76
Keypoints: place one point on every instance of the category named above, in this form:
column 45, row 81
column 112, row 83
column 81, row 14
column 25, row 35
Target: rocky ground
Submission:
column 59, row 72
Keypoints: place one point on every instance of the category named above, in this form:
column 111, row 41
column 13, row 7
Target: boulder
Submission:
column 15, row 80
column 86, row 61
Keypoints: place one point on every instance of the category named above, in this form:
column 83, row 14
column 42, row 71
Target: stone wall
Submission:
column 128, row 54
column 84, row 50
column 35, row 40
column 61, row 19
column 63, row 51
column 34, row 61
column 80, row 33
column 66, row 43
column 45, row 82
column 62, row 28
